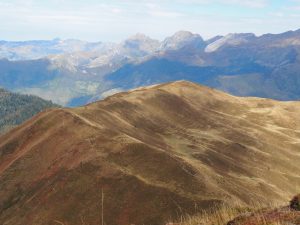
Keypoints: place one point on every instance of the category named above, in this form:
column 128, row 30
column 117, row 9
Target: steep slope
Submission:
column 156, row 153
column 30, row 73
column 160, row 70
column 16, row 108
column 230, row 39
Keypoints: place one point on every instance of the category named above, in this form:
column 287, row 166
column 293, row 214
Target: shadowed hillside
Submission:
column 156, row 153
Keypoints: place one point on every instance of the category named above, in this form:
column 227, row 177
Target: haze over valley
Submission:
column 73, row 72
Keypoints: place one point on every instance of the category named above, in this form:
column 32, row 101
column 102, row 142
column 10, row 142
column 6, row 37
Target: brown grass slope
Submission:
column 156, row 152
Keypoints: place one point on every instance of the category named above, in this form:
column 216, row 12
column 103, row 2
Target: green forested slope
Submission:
column 16, row 108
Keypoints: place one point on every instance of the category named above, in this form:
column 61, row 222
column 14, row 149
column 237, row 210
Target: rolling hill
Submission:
column 154, row 154
column 16, row 108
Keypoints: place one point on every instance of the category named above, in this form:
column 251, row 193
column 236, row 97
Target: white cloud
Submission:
column 116, row 10
column 156, row 10
column 244, row 3
column 248, row 3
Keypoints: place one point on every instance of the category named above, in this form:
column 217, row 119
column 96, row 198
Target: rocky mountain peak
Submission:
column 181, row 39
column 141, row 42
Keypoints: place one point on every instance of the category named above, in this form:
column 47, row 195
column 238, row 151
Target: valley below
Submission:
column 75, row 72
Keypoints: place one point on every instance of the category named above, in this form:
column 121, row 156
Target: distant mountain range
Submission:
column 154, row 154
column 74, row 72
column 16, row 108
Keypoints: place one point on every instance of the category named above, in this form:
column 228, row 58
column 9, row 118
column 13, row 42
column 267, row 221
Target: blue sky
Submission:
column 115, row 20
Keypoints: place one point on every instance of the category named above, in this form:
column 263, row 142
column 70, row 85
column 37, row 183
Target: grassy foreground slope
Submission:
column 256, row 215
column 156, row 153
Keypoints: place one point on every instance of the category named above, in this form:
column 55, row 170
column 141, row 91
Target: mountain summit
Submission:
column 182, row 39
column 153, row 154
column 141, row 43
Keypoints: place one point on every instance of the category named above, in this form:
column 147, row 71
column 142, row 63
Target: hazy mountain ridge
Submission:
column 241, row 64
column 28, row 50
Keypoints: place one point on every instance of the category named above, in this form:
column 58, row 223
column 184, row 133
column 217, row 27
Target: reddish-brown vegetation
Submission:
column 157, row 153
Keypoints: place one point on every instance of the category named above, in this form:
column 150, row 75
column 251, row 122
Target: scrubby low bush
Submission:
column 295, row 203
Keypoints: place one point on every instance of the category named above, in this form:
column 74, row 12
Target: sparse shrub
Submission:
column 295, row 203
